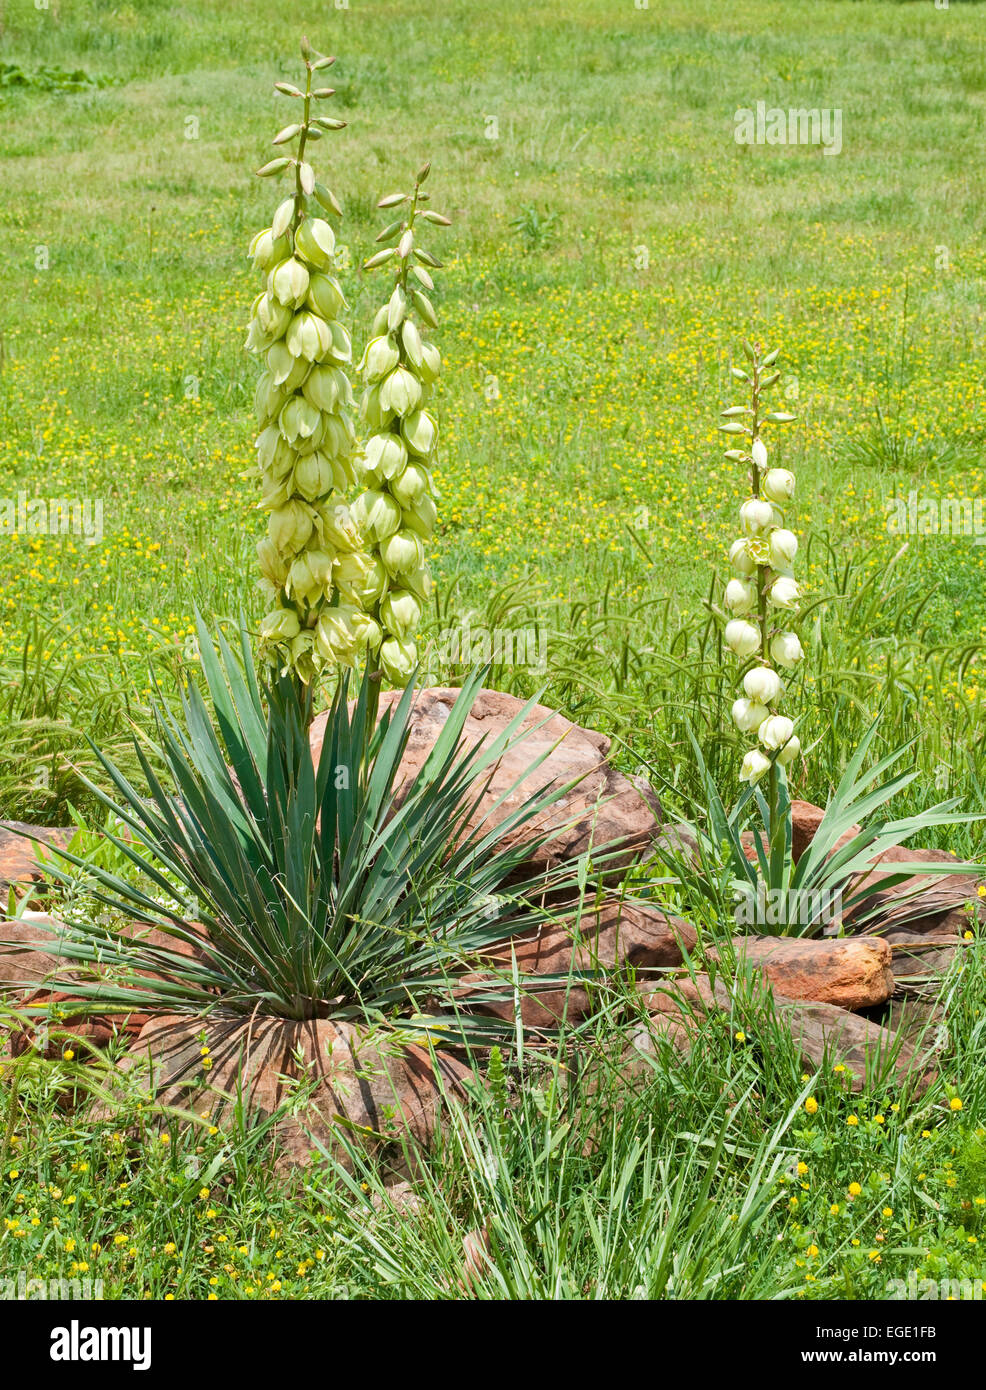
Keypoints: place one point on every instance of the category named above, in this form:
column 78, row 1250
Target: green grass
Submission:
column 730, row 1175
column 608, row 250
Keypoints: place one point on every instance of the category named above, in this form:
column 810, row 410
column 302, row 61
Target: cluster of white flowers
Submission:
column 312, row 559
column 397, row 512
column 763, row 595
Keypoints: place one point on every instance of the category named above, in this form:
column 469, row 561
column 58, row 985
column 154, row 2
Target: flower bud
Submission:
column 315, row 240
column 783, row 548
column 400, row 613
column 325, row 296
column 288, row 283
column 381, row 356
column 775, row 731
column 400, row 392
column 413, row 483
column 786, row 649
column 756, row 515
column 755, row 764
column 784, row 593
column 740, row 596
column 402, row 553
column 748, row 715
column 778, row 485
column 741, row 560
column 790, row 751
column 763, row 684
column 376, row 514
column 398, row 660
column 280, row 626
column 742, row 638
column 758, row 452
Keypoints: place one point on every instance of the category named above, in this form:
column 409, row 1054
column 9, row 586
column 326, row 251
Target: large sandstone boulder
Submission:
column 612, row 938
column 825, row 1034
column 604, row 808
column 851, row 972
column 385, row 1100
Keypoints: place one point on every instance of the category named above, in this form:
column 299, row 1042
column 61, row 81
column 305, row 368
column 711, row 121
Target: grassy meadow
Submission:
column 611, row 243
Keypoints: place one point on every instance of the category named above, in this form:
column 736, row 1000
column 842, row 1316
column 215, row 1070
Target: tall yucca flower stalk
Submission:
column 311, row 559
column 396, row 511
column 763, row 595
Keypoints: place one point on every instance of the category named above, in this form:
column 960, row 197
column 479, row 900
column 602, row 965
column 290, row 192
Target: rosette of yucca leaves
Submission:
column 396, row 511
column 320, row 888
column 826, row 890
column 312, row 558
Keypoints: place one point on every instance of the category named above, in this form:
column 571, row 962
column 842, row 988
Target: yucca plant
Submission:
column 286, row 885
column 306, row 888
column 825, row 891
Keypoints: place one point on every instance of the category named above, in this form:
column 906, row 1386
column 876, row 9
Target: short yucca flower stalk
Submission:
column 396, row 511
column 312, row 559
column 763, row 595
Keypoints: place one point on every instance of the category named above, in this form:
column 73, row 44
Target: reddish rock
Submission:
column 62, row 1030
column 24, row 962
column 374, row 1096
column 873, row 1055
column 19, row 855
column 32, row 976
column 604, row 808
column 617, row 936
column 921, row 954
column 824, row 1033
column 853, row 973
column 939, row 907
column 805, row 820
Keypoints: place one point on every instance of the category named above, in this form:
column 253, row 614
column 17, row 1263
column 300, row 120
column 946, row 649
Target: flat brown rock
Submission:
column 375, row 1097
column 824, row 1033
column 939, row 906
column 25, row 964
column 604, row 808
column 18, row 855
column 827, row 1035
column 852, row 972
column 615, row 937
column 806, row 817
